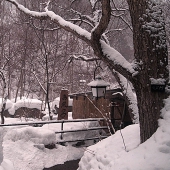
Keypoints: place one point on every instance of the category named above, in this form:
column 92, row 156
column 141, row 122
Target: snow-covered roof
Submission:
column 11, row 106
column 30, row 103
column 117, row 93
column 98, row 82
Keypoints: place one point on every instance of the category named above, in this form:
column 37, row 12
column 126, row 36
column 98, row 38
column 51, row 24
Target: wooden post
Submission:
column 63, row 105
column 62, row 130
column 1, row 147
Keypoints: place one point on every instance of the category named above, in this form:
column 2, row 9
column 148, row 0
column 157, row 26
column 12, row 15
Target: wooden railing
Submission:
column 39, row 123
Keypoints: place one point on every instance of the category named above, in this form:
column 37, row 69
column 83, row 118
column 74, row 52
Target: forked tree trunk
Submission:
column 152, row 59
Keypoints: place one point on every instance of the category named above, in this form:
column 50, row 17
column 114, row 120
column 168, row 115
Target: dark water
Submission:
column 69, row 165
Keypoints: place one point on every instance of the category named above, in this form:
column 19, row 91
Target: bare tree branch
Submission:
column 111, row 57
column 68, row 26
column 104, row 21
column 121, row 16
column 39, row 82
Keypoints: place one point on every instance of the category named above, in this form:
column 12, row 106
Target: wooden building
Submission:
column 112, row 106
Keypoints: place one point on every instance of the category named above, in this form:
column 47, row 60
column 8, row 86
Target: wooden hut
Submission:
column 112, row 106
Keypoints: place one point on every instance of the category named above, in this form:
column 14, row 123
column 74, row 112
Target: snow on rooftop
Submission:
column 98, row 82
column 11, row 106
column 159, row 81
column 29, row 103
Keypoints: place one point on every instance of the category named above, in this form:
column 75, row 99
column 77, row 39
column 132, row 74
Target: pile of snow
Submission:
column 24, row 146
column 12, row 106
column 5, row 163
column 110, row 153
column 35, row 135
column 9, row 104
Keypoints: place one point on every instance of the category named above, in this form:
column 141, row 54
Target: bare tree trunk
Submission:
column 1, row 144
column 4, row 98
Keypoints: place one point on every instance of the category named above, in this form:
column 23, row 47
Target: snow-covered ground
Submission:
column 23, row 148
column 110, row 154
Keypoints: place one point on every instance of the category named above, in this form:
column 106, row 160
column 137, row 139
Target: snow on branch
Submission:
column 45, row 91
column 40, row 28
column 82, row 58
column 78, row 31
column 117, row 59
column 130, row 96
column 27, row 11
column 102, row 50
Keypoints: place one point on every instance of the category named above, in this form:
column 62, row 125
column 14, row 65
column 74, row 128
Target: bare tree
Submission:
column 149, row 49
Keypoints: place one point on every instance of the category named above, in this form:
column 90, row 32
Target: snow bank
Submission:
column 34, row 134
column 9, row 104
column 103, row 154
column 24, row 146
column 74, row 126
column 5, row 164
column 154, row 154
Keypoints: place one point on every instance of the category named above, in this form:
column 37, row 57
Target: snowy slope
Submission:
column 154, row 154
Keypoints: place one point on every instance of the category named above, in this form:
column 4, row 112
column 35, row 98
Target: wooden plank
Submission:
column 78, row 130
column 79, row 140
column 58, row 121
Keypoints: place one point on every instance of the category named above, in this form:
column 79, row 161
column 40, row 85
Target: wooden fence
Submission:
column 39, row 123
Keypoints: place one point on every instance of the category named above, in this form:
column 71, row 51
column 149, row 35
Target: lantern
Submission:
column 98, row 87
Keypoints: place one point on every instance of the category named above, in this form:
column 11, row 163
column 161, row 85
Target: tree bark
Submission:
column 152, row 59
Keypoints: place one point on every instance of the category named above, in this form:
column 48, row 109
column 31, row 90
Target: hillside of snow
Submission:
column 110, row 153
